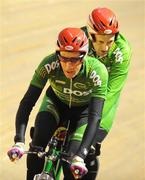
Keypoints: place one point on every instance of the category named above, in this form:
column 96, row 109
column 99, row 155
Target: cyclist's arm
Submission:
column 95, row 111
column 117, row 78
column 24, row 111
column 30, row 98
column 118, row 72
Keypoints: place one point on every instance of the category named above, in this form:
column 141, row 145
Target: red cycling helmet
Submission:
column 103, row 21
column 72, row 39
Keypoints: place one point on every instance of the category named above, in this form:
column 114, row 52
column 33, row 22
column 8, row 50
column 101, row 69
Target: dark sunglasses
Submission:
column 71, row 59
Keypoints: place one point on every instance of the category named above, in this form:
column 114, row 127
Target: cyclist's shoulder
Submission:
column 49, row 58
column 120, row 50
column 93, row 60
column 93, row 63
column 122, row 43
column 47, row 63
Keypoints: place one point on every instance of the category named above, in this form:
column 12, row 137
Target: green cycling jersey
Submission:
column 91, row 81
column 117, row 63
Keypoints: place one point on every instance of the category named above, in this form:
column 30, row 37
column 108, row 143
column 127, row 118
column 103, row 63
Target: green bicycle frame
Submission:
column 50, row 168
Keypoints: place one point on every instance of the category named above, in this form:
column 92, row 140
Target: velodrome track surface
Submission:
column 28, row 32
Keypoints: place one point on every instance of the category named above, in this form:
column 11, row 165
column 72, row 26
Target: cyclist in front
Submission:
column 111, row 48
column 77, row 91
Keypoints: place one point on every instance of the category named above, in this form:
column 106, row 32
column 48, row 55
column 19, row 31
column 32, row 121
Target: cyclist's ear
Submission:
column 32, row 132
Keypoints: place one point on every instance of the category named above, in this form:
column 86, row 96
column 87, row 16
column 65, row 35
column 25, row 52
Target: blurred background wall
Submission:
column 29, row 29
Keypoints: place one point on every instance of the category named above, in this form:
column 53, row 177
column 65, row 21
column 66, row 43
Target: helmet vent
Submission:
column 82, row 43
column 74, row 39
column 95, row 27
column 65, row 40
column 102, row 23
column 110, row 23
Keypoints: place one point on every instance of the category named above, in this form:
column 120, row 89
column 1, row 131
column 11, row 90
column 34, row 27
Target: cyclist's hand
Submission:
column 78, row 167
column 16, row 152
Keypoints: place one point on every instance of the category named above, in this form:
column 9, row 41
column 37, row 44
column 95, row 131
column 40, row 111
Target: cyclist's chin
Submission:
column 70, row 75
column 102, row 54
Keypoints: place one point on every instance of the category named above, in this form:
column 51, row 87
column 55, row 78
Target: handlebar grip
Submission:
column 14, row 155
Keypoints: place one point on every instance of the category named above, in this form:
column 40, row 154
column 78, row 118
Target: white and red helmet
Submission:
column 103, row 21
column 72, row 39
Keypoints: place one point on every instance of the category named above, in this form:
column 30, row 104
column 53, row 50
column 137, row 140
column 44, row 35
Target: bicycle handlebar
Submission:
column 39, row 154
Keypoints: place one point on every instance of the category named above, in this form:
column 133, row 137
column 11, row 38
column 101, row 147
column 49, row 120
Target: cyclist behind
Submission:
column 112, row 49
column 78, row 86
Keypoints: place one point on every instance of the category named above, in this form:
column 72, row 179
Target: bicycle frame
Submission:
column 52, row 168
column 54, row 157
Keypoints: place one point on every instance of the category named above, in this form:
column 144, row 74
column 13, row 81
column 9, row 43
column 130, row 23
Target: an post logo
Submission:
column 76, row 92
column 96, row 78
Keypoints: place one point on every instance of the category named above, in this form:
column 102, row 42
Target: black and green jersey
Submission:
column 117, row 63
column 90, row 82
column 87, row 89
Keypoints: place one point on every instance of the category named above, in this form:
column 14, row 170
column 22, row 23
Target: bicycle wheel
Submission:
column 43, row 176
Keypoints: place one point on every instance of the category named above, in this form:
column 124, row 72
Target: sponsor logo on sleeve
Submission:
column 52, row 66
column 118, row 55
column 95, row 78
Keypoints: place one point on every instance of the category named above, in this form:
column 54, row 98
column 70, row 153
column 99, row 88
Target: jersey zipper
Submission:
column 70, row 97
